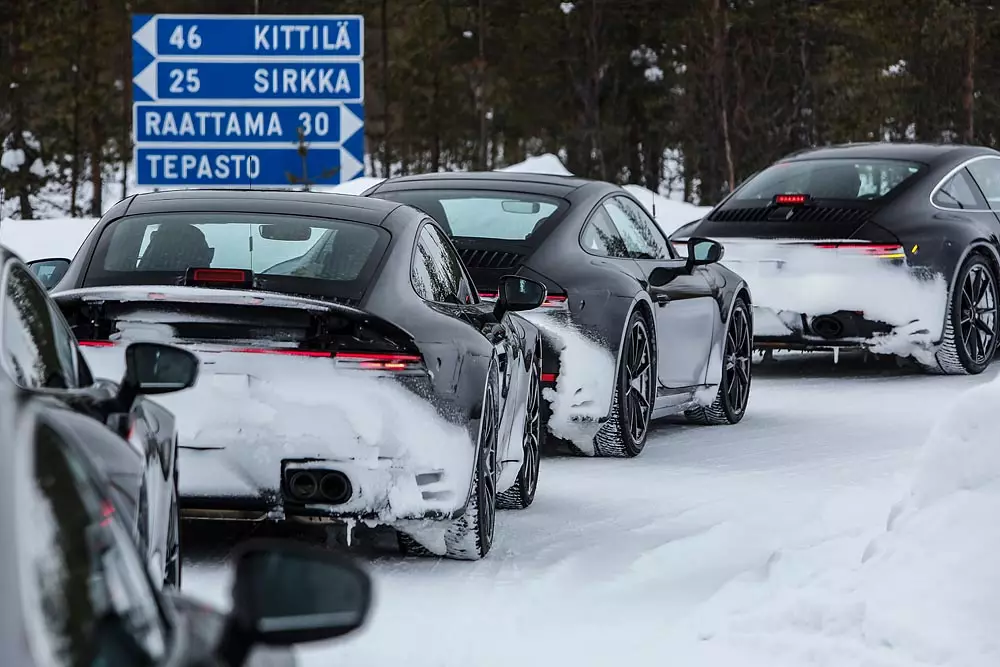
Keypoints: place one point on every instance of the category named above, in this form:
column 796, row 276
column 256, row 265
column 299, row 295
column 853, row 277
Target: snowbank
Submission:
column 540, row 164
column 260, row 409
column 586, row 382
column 670, row 214
column 922, row 592
column 42, row 239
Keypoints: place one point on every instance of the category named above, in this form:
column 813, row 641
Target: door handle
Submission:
column 661, row 299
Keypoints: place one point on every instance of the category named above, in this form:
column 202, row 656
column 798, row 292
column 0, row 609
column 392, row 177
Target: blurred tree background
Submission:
column 685, row 96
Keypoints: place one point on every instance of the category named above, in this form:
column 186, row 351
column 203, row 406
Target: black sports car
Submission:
column 350, row 370
column 893, row 247
column 633, row 331
column 77, row 590
column 132, row 439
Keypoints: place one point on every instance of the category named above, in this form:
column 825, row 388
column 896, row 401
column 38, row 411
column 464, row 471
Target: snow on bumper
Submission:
column 249, row 416
column 888, row 307
column 581, row 400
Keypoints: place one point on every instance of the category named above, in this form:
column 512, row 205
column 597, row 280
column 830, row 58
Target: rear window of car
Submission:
column 831, row 178
column 292, row 254
column 483, row 214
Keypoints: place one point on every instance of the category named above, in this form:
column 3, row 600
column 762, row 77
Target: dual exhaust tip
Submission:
column 320, row 486
column 828, row 326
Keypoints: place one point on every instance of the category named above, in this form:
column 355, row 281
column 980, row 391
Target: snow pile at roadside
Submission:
column 264, row 408
column 670, row 214
column 547, row 163
column 585, row 385
column 922, row 592
column 46, row 238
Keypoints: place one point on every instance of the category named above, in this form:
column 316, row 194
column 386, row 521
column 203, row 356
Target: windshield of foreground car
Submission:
column 293, row 254
column 482, row 214
column 831, row 178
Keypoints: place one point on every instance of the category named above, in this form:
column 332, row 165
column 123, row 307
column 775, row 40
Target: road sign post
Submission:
column 227, row 100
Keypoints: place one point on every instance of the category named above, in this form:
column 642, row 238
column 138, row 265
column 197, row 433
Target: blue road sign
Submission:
column 243, row 81
column 249, row 36
column 263, row 124
column 218, row 100
column 243, row 167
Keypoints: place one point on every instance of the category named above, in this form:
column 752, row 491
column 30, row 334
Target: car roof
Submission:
column 929, row 153
column 550, row 184
column 320, row 204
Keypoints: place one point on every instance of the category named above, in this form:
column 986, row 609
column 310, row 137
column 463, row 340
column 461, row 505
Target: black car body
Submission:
column 621, row 301
column 131, row 438
column 77, row 590
column 324, row 323
column 904, row 238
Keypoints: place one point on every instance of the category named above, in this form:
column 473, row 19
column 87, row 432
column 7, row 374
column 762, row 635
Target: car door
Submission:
column 686, row 310
column 87, row 596
column 41, row 352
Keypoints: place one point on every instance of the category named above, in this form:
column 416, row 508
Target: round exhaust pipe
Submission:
column 303, row 485
column 335, row 488
column 827, row 326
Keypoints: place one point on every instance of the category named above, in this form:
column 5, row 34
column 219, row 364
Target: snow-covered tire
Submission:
column 470, row 536
column 522, row 493
column 968, row 296
column 730, row 402
column 625, row 432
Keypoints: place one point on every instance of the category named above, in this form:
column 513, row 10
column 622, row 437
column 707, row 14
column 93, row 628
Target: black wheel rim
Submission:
column 978, row 315
column 739, row 350
column 638, row 382
column 487, row 509
column 532, row 432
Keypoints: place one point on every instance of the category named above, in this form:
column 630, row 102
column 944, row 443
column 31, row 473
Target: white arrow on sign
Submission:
column 146, row 36
column 349, row 166
column 349, row 124
column 146, row 81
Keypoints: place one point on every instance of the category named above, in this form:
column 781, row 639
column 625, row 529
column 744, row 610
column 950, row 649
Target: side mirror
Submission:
column 286, row 593
column 155, row 368
column 703, row 251
column 517, row 293
column 49, row 271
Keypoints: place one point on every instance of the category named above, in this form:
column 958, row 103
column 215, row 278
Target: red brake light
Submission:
column 883, row 250
column 278, row 350
column 790, row 200
column 551, row 301
column 219, row 275
column 96, row 343
column 107, row 511
column 380, row 361
column 549, row 377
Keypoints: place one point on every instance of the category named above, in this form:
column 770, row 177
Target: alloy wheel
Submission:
column 533, row 420
column 738, row 355
column 638, row 381
column 487, row 505
column 978, row 314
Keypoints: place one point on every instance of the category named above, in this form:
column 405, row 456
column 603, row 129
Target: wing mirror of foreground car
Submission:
column 700, row 251
column 155, row 368
column 517, row 293
column 287, row 593
column 49, row 271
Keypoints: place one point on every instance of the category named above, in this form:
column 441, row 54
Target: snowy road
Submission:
column 641, row 562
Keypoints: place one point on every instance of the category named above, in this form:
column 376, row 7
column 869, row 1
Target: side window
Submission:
column 87, row 599
column 642, row 237
column 38, row 347
column 987, row 175
column 599, row 236
column 959, row 192
column 436, row 272
column 466, row 293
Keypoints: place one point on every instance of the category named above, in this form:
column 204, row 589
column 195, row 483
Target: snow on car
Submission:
column 351, row 373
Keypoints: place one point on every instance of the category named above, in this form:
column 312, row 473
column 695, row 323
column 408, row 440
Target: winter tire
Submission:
column 632, row 406
column 730, row 402
column 522, row 494
column 970, row 328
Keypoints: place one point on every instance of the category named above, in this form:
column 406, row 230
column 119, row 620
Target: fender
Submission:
column 643, row 297
column 478, row 445
column 991, row 248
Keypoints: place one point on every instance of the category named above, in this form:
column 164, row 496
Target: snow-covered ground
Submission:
column 834, row 526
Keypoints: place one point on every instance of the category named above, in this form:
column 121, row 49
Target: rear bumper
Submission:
column 840, row 328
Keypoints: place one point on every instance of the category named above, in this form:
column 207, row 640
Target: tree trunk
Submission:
column 719, row 65
column 386, row 121
column 969, row 84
